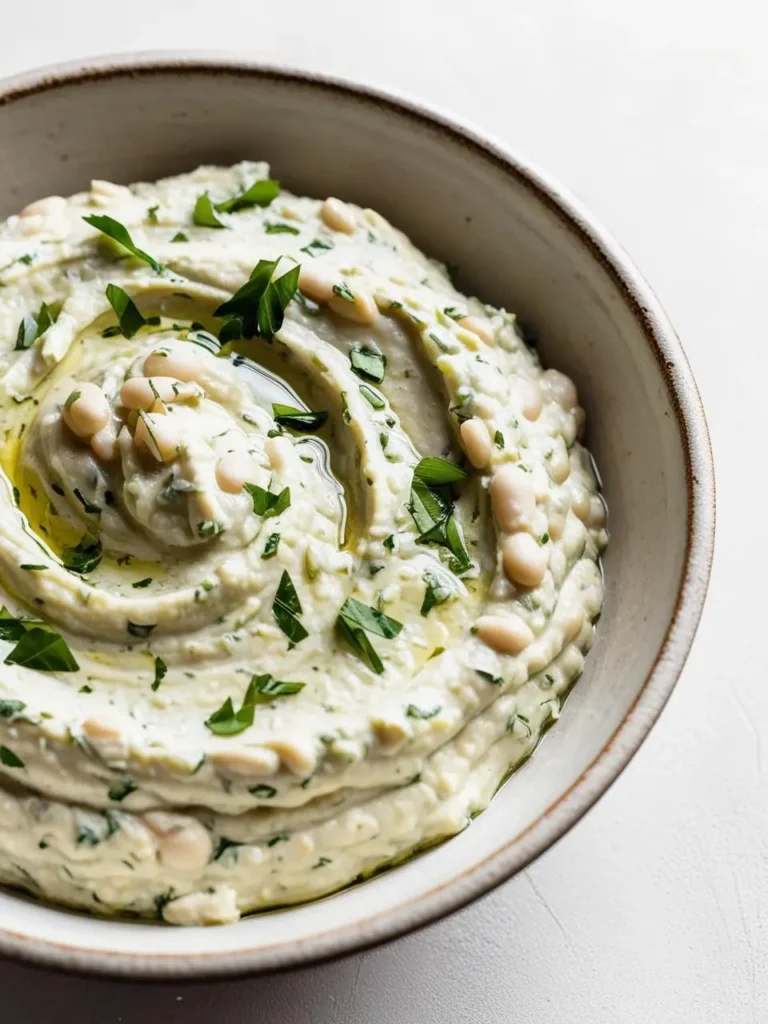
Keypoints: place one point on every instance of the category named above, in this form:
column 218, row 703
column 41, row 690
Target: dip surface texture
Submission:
column 298, row 547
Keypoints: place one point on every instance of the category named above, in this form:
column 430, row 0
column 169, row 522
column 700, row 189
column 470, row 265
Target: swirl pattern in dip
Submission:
column 298, row 547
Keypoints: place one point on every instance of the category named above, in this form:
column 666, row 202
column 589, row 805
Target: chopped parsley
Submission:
column 119, row 233
column 204, row 215
column 141, row 584
column 368, row 364
column 436, row 593
column 261, row 193
column 344, row 292
column 209, row 528
column 278, row 228
column 90, row 507
column 316, row 247
column 9, row 759
column 259, row 306
column 262, row 791
column 180, row 237
column 270, row 548
column 356, row 620
column 298, row 419
column 34, row 326
column 286, row 608
column 372, row 397
column 267, row 503
column 413, row 711
column 84, row 556
column 160, row 669
column 42, row 649
column 498, row 439
column 121, row 790
column 131, row 320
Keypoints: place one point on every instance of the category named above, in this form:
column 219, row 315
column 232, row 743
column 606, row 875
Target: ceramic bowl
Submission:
column 521, row 242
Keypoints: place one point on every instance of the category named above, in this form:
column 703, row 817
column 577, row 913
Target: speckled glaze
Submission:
column 521, row 242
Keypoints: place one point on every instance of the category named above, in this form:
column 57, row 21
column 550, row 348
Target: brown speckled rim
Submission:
column 681, row 388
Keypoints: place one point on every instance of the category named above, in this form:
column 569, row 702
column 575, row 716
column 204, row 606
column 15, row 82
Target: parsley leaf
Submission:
column 275, row 228
column 368, row 364
column 121, row 790
column 34, row 326
column 258, row 307
column 261, row 193
column 298, row 419
column 84, row 557
column 286, row 608
column 42, row 649
column 436, row 593
column 434, row 472
column 264, row 688
column 203, row 215
column 160, row 669
column 372, row 397
column 413, row 711
column 355, row 619
column 131, row 320
column 180, row 237
column 316, row 247
column 228, row 722
column 9, row 759
column 209, row 528
column 270, row 548
column 114, row 229
column 266, row 503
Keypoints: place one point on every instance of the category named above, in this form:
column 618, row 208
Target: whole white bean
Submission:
column 45, row 207
column 158, row 435
column 316, row 282
column 337, row 215
column 88, row 411
column 234, row 470
column 558, row 463
column 524, row 559
column 507, row 634
column 184, row 362
column 362, row 310
column 580, row 502
column 184, row 844
column 142, row 392
column 482, row 328
column 596, row 517
column 477, row 443
column 278, row 450
column 530, row 398
column 512, row 498
column 561, row 389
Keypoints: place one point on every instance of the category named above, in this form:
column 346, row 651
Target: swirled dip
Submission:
column 298, row 547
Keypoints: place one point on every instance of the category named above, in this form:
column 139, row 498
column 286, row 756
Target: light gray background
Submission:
column 653, row 910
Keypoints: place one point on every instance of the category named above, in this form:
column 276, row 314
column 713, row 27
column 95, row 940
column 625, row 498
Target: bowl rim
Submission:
column 512, row 854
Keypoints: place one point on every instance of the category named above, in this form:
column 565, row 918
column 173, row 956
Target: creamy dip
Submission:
column 298, row 543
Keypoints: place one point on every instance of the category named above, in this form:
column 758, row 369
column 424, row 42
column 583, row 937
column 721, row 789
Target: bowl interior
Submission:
column 515, row 248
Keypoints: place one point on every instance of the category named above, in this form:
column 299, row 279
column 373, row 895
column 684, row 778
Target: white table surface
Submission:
column 655, row 908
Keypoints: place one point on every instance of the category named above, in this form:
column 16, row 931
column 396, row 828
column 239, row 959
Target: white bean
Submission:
column 561, row 389
column 558, row 462
column 184, row 362
column 525, row 561
column 530, row 398
column 296, row 756
column 278, row 450
column 482, row 328
column 234, row 470
column 184, row 844
column 337, row 215
column 47, row 207
column 580, row 502
column 361, row 310
column 86, row 410
column 215, row 905
column 512, row 498
column 507, row 634
column 596, row 517
column 256, row 761
column 142, row 392
column 316, row 282
column 477, row 443
column 158, row 435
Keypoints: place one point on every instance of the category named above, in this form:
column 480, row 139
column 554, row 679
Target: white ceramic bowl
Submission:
column 521, row 242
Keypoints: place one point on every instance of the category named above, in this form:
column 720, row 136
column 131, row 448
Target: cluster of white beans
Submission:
column 169, row 378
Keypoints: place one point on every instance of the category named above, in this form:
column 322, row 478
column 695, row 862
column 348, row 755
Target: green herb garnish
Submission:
column 435, row 472
column 273, row 228
column 266, row 503
column 42, row 649
column 262, row 790
column 90, row 507
column 140, row 584
column 356, row 619
column 373, row 398
column 264, row 688
column 122, row 789
column 135, row 629
column 203, row 215
column 316, row 247
column 33, row 568
column 413, row 711
column 498, row 439
column 9, row 759
column 270, row 548
column 11, row 708
column 160, row 669
column 298, row 419
column 209, row 528
column 344, row 292
column 131, row 320
column 436, row 592
column 259, row 306
column 34, row 326
column 490, row 677
column 119, row 233
column 286, row 608
column 368, row 364
column 180, row 237
column 84, row 557
column 261, row 193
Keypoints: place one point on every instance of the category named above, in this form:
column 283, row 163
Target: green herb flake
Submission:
column 262, row 791
column 261, row 193
column 368, row 364
column 180, row 237
column 498, row 439
column 259, row 306
column 11, row 708
column 33, row 568
column 298, row 419
column 344, row 292
column 435, row 472
column 436, row 592
column 356, row 619
column 209, row 528
column 90, row 507
column 278, row 228
column 83, row 557
column 454, row 313
column 263, row 689
column 490, row 677
column 122, row 789
column 120, row 234
column 141, row 584
column 316, row 247
column 152, row 213
column 286, row 608
column 34, row 326
column 142, row 632
column 372, row 397
column 389, row 542
column 267, row 503
column 42, row 649
column 204, row 215
column 85, row 688
column 9, row 759
column 160, row 670
column 413, row 711
column 270, row 548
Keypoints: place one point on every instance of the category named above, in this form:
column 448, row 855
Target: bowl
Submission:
column 521, row 242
